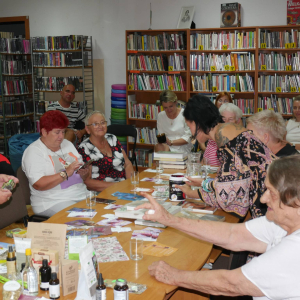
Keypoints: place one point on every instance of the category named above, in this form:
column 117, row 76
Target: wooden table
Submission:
column 191, row 255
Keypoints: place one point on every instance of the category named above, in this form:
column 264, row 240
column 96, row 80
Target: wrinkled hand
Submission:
column 85, row 173
column 6, row 178
column 73, row 167
column 160, row 215
column 194, row 181
column 163, row 272
column 185, row 188
column 4, row 195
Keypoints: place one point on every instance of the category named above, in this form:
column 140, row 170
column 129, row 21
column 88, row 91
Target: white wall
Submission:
column 107, row 20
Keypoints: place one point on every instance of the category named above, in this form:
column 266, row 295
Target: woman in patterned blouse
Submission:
column 111, row 163
column 244, row 160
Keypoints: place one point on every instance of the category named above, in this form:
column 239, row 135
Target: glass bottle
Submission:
column 11, row 264
column 54, row 288
column 29, row 276
column 45, row 275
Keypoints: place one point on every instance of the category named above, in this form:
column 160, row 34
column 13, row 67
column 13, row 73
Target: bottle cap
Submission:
column 100, row 279
column 53, row 276
column 10, row 254
column 28, row 251
column 45, row 262
column 121, row 282
column 10, row 249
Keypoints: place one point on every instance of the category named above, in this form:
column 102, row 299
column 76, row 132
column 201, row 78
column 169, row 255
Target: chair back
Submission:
column 125, row 130
column 24, row 185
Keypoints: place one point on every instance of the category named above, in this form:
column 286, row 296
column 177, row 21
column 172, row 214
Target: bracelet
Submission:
column 206, row 185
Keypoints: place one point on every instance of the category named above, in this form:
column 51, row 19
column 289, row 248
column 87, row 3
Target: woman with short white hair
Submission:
column 231, row 113
column 270, row 128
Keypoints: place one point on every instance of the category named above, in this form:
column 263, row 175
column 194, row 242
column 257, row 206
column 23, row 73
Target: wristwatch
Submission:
column 64, row 175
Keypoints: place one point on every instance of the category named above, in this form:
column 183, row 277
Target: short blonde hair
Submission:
column 86, row 120
column 167, row 96
column 269, row 121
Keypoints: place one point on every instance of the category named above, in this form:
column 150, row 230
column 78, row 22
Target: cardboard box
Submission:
column 69, row 271
column 37, row 256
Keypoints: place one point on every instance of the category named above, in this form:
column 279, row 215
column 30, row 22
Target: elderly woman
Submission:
column 111, row 163
column 50, row 164
column 272, row 275
column 171, row 123
column 269, row 127
column 244, row 160
column 293, row 125
column 230, row 114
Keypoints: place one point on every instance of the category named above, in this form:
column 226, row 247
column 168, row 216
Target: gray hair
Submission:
column 269, row 121
column 86, row 120
column 231, row 108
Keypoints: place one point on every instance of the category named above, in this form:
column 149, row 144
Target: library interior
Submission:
column 149, row 149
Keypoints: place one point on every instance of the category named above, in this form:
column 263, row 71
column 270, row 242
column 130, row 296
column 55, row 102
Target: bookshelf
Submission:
column 16, row 90
column 61, row 60
column 155, row 60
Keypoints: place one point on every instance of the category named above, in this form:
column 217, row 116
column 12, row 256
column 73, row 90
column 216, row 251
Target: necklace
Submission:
column 63, row 158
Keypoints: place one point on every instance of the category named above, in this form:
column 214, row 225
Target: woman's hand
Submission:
column 168, row 142
column 160, row 214
column 85, row 173
column 5, row 178
column 4, row 195
column 194, row 181
column 163, row 272
column 185, row 189
column 73, row 167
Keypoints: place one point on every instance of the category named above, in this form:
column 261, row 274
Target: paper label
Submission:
column 200, row 47
column 232, row 89
column 227, row 67
column 170, row 87
column 263, row 67
column 293, row 89
column 259, row 109
column 130, row 87
column 214, row 89
column 287, row 45
column 147, row 117
column 142, row 141
column 232, row 68
column 213, row 68
column 278, row 89
column 263, row 45
column 224, row 47
column 293, row 45
column 170, row 68
column 289, row 68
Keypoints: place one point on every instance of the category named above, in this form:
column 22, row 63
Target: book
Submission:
column 174, row 166
column 198, row 206
column 293, row 12
column 167, row 155
column 230, row 15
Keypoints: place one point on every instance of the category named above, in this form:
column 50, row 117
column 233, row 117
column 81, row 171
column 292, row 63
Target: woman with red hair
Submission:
column 51, row 165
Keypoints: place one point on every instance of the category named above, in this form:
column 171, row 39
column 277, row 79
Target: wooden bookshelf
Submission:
column 250, row 36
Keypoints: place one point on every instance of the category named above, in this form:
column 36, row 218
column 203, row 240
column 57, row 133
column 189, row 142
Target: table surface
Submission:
column 191, row 254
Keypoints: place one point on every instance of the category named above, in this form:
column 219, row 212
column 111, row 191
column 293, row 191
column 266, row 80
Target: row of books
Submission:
column 59, row 59
column 245, row 105
column 278, row 104
column 68, row 42
column 15, row 45
column 278, row 39
column 15, row 87
column 145, row 135
column 16, row 67
column 159, row 42
column 17, row 126
column 162, row 82
column 57, row 83
column 160, row 62
column 7, row 35
column 242, row 61
column 143, row 111
column 222, row 82
column 223, row 40
column 144, row 157
column 17, row 107
column 279, row 83
column 171, row 160
column 279, row 61
column 42, row 106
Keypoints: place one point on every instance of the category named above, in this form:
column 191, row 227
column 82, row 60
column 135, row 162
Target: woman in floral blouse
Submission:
column 111, row 163
column 244, row 160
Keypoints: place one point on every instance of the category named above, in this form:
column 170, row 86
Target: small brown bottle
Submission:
column 54, row 289
column 100, row 289
column 45, row 275
column 121, row 290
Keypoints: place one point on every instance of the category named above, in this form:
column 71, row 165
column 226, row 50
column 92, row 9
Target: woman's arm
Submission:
column 178, row 142
column 97, row 185
column 127, row 166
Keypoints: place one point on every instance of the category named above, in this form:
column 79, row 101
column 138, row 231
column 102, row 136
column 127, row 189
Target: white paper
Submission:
column 109, row 216
column 82, row 214
column 120, row 229
column 76, row 243
column 141, row 190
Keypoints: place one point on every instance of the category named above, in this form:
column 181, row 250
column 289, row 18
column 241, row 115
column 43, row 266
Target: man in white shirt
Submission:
column 272, row 275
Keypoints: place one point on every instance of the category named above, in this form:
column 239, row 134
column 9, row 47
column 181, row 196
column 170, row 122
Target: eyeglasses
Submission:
column 223, row 101
column 103, row 124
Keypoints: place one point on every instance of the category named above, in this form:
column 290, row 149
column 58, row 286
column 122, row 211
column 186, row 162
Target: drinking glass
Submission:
column 205, row 167
column 135, row 178
column 159, row 169
column 194, row 157
column 90, row 198
column 136, row 249
column 193, row 170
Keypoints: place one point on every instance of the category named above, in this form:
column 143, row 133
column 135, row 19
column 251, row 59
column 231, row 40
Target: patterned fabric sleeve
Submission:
column 240, row 180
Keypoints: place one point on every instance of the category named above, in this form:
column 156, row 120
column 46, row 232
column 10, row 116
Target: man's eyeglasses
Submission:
column 103, row 124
